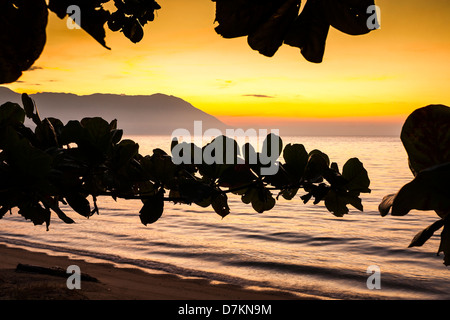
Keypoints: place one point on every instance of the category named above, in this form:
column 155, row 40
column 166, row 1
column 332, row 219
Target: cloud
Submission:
column 258, row 96
column 223, row 84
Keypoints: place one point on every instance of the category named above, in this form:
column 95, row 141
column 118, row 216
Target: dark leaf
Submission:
column 272, row 146
column 309, row 32
column 116, row 21
column 429, row 190
column 236, row 175
column 260, row 198
column 318, row 163
column 132, row 29
column 153, row 209
column 159, row 168
column 125, row 151
column 30, row 162
column 46, row 134
column 356, row 175
column 11, row 114
column 239, row 18
column 270, row 35
column 116, row 135
column 23, row 37
column 336, row 204
column 426, row 234
column 28, row 105
column 53, row 204
column 219, row 203
column 296, row 158
column 348, row 16
column 79, row 204
column 289, row 194
column 386, row 204
column 71, row 133
column 36, row 213
column 426, row 137
column 444, row 246
column 93, row 16
column 194, row 191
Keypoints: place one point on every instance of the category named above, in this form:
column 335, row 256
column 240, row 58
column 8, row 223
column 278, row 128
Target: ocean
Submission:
column 294, row 247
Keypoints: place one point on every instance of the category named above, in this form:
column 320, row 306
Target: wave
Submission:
column 393, row 283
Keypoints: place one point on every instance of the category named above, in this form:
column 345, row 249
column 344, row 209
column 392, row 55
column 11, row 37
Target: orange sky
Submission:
column 383, row 75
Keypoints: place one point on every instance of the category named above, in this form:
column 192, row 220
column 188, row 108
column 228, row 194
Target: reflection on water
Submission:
column 298, row 247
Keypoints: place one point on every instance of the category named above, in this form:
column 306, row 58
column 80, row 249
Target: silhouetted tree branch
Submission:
column 267, row 23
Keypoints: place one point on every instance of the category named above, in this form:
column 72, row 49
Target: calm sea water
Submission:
column 295, row 247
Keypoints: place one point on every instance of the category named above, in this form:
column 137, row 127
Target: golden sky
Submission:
column 380, row 76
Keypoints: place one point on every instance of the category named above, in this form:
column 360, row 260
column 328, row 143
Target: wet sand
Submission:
column 114, row 283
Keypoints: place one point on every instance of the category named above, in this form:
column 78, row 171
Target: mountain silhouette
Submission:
column 140, row 114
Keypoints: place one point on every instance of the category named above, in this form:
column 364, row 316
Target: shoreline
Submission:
column 114, row 283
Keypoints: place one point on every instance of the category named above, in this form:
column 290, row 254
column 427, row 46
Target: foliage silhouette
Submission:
column 70, row 163
column 267, row 23
column 426, row 138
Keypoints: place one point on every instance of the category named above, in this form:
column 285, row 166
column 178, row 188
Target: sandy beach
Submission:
column 113, row 283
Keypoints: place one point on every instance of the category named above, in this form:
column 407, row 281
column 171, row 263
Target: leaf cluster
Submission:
column 267, row 24
column 75, row 163
column 426, row 138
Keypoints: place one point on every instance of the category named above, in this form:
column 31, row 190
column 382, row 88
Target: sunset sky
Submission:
column 382, row 76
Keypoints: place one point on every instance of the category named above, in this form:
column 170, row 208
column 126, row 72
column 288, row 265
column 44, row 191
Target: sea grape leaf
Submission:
column 31, row 163
column 124, row 152
column 239, row 18
column 289, row 193
column 97, row 132
column 159, row 168
column 318, row 163
column 57, row 126
column 71, row 133
column 79, row 204
column 348, row 16
column 46, row 134
column 429, row 190
column 426, row 234
column 386, row 204
column 53, row 204
column 444, row 245
column 264, row 202
column 23, row 36
column 309, row 32
column 356, row 175
column 269, row 36
column 219, row 202
column 272, row 146
column 296, row 158
column 132, row 29
column 35, row 212
column 194, row 191
column 270, row 23
column 152, row 209
column 336, row 204
column 131, row 16
column 260, row 198
column 236, row 175
column 334, row 166
column 93, row 16
column 11, row 114
column 28, row 105
column 426, row 137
